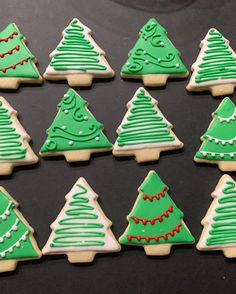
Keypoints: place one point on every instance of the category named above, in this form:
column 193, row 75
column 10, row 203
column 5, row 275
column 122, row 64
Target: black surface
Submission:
column 40, row 190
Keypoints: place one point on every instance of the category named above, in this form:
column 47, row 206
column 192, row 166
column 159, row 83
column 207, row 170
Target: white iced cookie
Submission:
column 14, row 141
column 81, row 230
column 144, row 132
column 219, row 232
column 77, row 58
column 215, row 67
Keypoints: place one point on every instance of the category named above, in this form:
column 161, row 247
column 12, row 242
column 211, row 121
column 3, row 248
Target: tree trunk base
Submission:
column 153, row 80
column 80, row 80
column 157, row 250
column 81, row 257
column 221, row 90
column 230, row 252
column 8, row 265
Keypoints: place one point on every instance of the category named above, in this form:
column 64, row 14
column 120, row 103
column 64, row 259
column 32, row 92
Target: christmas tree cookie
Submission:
column 77, row 58
column 155, row 222
column 16, row 236
column 14, row 141
column 144, row 131
column 154, row 58
column 219, row 141
column 215, row 68
column 81, row 230
column 219, row 232
column 74, row 133
column 17, row 63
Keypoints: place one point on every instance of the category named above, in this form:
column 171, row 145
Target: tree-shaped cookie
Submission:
column 219, row 232
column 14, row 141
column 219, row 141
column 17, row 63
column 74, row 133
column 77, row 58
column 215, row 67
column 144, row 131
column 153, row 58
column 81, row 230
column 155, row 222
column 16, row 236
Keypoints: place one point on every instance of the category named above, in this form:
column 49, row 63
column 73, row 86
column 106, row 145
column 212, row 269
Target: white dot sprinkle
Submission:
column 8, row 235
column 1, row 240
column 144, row 52
column 146, row 61
column 48, row 141
column 97, row 138
column 70, row 142
column 23, row 238
column 3, row 254
column 10, row 250
column 66, row 96
column 80, row 132
column 18, row 244
column 158, row 59
column 63, row 127
column 66, row 111
column 85, row 117
column 162, row 44
column 177, row 65
column 15, row 228
column 3, row 217
column 7, row 212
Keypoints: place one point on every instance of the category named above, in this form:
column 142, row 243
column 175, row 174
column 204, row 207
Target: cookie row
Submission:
column 81, row 230
column 154, row 59
column 143, row 133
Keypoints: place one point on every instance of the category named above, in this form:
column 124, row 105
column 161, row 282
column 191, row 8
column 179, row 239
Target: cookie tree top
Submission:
column 16, row 60
column 14, row 141
column 219, row 141
column 16, row 240
column 144, row 127
column 81, row 227
column 153, row 53
column 220, row 221
column 215, row 65
column 74, row 127
column 155, row 219
column 77, row 53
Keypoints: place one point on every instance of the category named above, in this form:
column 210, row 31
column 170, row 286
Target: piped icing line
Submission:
column 11, row 36
column 14, row 227
column 152, row 221
column 21, row 62
column 223, row 142
column 156, row 196
column 227, row 119
column 157, row 238
column 9, row 52
column 214, row 154
column 7, row 212
column 16, row 244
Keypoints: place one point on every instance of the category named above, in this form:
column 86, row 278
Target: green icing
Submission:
column 144, row 124
column 220, row 138
column 74, row 230
column 14, row 234
column 76, row 52
column 74, row 127
column 11, row 145
column 149, row 211
column 218, row 61
column 223, row 226
column 153, row 53
column 15, row 58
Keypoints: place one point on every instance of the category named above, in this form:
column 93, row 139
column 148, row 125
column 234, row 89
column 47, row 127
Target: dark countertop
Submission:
column 41, row 190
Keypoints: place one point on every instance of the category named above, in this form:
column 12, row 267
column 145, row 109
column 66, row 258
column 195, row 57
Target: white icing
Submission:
column 110, row 242
column 227, row 119
column 8, row 233
column 223, row 142
column 199, row 60
column 208, row 219
column 102, row 61
column 16, row 244
column 4, row 215
column 176, row 141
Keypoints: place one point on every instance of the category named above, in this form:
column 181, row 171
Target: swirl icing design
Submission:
column 219, row 141
column 74, row 127
column 81, row 225
column 15, row 242
column 15, row 58
column 144, row 124
column 11, row 144
column 153, row 53
column 218, row 60
column 155, row 219
column 222, row 229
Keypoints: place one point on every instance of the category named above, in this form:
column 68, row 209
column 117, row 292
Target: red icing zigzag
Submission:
column 157, row 196
column 153, row 220
column 14, row 65
column 11, row 36
column 156, row 238
column 17, row 48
